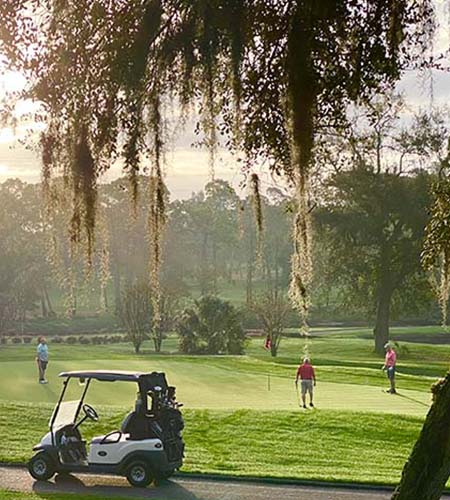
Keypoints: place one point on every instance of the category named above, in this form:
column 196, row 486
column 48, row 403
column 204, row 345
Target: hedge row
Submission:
column 71, row 339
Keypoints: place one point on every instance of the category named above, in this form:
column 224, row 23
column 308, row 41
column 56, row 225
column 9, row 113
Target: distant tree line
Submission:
column 369, row 216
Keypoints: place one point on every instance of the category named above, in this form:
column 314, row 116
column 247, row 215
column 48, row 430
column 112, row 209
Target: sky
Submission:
column 187, row 168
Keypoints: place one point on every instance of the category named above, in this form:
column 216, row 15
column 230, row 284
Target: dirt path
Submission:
column 181, row 488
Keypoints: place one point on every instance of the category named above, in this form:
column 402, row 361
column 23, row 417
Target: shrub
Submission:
column 212, row 326
column 3, row 340
column 84, row 340
column 27, row 340
column 57, row 340
column 71, row 340
column 16, row 340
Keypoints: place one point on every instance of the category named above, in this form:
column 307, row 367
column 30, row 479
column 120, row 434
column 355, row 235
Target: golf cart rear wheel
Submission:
column 41, row 467
column 139, row 474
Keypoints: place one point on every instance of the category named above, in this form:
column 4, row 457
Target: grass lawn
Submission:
column 235, row 424
column 219, row 382
column 318, row 444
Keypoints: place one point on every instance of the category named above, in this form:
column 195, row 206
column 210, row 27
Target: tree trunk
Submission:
column 157, row 341
column 250, row 258
column 204, row 265
column 103, row 299
column 43, row 306
column 273, row 344
column 381, row 330
column 428, row 467
column 117, row 293
column 50, row 310
column 215, row 267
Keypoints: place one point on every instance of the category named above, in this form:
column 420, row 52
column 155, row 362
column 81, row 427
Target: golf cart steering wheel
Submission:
column 90, row 412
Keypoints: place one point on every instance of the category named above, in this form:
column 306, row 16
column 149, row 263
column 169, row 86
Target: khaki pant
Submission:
column 42, row 365
column 307, row 386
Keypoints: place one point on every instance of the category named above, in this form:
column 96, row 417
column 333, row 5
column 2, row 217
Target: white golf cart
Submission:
column 148, row 447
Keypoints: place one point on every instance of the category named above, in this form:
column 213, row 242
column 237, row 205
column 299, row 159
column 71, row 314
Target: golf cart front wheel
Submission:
column 139, row 474
column 41, row 467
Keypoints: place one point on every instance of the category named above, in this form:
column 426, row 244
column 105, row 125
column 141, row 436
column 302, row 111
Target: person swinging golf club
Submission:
column 306, row 374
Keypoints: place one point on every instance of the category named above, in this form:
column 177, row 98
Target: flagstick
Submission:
column 268, row 381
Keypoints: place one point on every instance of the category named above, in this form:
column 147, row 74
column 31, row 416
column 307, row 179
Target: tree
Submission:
column 428, row 468
column 24, row 269
column 277, row 241
column 137, row 313
column 271, row 309
column 375, row 224
column 173, row 293
column 211, row 326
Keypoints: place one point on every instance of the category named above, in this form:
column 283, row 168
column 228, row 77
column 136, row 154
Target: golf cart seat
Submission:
column 111, row 438
column 135, row 425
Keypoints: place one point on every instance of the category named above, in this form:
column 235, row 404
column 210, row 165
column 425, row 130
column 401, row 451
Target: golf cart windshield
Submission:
column 65, row 414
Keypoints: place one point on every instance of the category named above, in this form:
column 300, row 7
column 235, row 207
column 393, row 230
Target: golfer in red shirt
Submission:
column 307, row 375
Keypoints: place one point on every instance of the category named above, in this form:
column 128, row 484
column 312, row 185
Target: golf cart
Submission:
column 147, row 447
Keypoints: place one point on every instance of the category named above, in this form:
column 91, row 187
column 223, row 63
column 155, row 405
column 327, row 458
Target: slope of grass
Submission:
column 320, row 445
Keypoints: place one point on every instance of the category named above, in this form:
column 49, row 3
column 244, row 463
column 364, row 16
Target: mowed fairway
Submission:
column 206, row 385
column 349, row 375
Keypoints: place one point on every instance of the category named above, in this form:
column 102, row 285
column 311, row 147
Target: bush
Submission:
column 3, row 340
column 57, row 340
column 16, row 340
column 27, row 340
column 71, row 340
column 212, row 326
column 84, row 340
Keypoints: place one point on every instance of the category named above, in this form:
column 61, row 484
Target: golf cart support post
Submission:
column 147, row 447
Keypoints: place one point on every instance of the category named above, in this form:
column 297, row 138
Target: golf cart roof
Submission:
column 146, row 381
column 104, row 375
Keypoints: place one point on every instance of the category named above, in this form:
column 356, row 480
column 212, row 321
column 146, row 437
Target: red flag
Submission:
column 268, row 343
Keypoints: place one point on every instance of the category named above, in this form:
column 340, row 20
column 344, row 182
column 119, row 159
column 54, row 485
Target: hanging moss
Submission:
column 84, row 191
column 266, row 74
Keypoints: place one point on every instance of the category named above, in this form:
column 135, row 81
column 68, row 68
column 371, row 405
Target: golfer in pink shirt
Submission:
column 389, row 365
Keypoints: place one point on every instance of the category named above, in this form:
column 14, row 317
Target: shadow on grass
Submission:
column 107, row 487
column 413, row 400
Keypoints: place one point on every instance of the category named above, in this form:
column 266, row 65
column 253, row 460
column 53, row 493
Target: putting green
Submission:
column 205, row 385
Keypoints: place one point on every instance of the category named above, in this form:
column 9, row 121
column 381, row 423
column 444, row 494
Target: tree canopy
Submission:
column 267, row 75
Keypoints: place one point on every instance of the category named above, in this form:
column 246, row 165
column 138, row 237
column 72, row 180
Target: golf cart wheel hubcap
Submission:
column 138, row 473
column 40, row 467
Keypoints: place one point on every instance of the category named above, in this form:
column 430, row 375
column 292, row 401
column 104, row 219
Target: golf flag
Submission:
column 267, row 343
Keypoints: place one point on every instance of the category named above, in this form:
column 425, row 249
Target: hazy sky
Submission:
column 187, row 168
